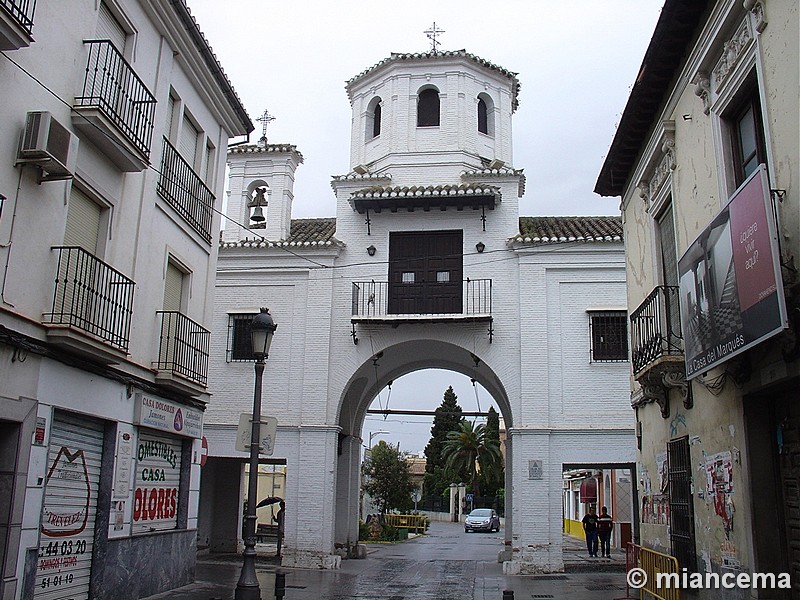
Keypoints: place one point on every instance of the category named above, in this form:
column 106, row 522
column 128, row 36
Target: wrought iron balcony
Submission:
column 657, row 349
column 183, row 348
column 115, row 106
column 656, row 328
column 21, row 12
column 92, row 297
column 380, row 300
column 183, row 189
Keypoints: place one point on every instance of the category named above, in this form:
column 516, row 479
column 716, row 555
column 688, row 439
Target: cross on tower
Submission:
column 432, row 33
column 265, row 119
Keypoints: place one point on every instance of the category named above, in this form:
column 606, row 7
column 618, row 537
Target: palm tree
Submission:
column 468, row 448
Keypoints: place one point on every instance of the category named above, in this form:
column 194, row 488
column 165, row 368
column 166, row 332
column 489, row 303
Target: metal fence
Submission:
column 656, row 327
column 371, row 299
column 92, row 297
column 112, row 86
column 183, row 189
column 183, row 347
column 22, row 12
column 663, row 577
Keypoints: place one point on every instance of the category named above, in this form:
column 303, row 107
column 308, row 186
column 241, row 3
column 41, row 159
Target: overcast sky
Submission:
column 576, row 61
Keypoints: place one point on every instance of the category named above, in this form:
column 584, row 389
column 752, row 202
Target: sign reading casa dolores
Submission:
column 157, row 413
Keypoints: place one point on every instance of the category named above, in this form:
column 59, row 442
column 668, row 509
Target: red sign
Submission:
column 203, row 451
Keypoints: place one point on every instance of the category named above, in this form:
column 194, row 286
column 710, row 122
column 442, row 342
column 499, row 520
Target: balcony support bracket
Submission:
column 659, row 381
column 353, row 334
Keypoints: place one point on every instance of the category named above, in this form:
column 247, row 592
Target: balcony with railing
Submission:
column 383, row 302
column 185, row 191
column 92, row 306
column 115, row 109
column 182, row 353
column 657, row 354
column 16, row 23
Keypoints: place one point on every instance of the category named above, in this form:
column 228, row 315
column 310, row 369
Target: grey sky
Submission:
column 576, row 61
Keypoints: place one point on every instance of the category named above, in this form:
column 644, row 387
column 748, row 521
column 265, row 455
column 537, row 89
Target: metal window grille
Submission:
column 609, row 334
column 183, row 347
column 681, row 508
column 239, row 346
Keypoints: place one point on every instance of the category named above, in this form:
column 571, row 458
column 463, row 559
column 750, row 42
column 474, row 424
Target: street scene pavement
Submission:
column 444, row 564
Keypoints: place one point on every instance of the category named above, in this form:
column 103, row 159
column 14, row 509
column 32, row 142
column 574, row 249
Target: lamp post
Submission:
column 373, row 434
column 261, row 329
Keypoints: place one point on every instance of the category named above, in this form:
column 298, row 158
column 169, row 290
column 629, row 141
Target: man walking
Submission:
column 604, row 526
column 590, row 529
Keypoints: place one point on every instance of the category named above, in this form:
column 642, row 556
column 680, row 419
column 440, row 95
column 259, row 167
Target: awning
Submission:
column 589, row 491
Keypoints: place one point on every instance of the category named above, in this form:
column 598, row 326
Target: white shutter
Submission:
column 173, row 288
column 109, row 28
column 188, row 143
column 157, row 483
column 83, row 221
column 171, row 119
column 74, row 456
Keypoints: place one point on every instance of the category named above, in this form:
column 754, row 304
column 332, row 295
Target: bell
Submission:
column 258, row 215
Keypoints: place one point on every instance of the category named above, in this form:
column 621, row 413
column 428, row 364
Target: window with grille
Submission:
column 609, row 335
column 239, row 346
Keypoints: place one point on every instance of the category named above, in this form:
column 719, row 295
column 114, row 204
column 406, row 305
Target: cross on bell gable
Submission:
column 265, row 119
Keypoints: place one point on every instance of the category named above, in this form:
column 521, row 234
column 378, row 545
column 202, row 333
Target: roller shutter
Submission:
column 70, row 505
column 109, row 28
column 83, row 221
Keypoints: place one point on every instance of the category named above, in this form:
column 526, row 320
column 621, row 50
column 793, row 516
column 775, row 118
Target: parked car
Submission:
column 482, row 519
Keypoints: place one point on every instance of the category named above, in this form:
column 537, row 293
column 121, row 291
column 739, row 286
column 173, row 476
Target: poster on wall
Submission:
column 731, row 291
column 157, row 487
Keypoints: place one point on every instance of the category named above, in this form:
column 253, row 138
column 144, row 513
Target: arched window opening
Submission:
column 373, row 128
column 428, row 108
column 257, row 202
column 483, row 119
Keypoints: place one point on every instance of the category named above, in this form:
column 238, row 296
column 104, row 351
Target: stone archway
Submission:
column 388, row 364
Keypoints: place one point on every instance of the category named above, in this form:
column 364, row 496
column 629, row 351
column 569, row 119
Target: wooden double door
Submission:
column 426, row 272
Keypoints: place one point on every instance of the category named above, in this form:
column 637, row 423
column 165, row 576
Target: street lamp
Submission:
column 261, row 329
column 373, row 434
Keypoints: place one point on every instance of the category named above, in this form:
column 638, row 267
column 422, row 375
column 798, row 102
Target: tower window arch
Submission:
column 374, row 111
column 428, row 108
column 485, row 114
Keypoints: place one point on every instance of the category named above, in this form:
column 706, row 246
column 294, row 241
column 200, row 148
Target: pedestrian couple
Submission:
column 598, row 526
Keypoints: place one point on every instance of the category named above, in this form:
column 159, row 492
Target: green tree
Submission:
column 467, row 448
column 447, row 417
column 386, row 478
column 492, row 480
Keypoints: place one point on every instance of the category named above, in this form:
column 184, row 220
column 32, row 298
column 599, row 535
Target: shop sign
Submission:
column 158, row 477
column 157, row 413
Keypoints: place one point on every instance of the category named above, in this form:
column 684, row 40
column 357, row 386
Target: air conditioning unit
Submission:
column 49, row 145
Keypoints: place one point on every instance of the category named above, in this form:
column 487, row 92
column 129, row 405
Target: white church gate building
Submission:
column 426, row 265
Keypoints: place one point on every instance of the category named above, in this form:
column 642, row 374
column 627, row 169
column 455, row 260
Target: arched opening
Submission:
column 485, row 114
column 428, row 108
column 398, row 378
column 257, row 202
column 373, row 124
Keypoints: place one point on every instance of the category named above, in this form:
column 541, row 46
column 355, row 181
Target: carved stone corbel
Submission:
column 703, row 91
column 757, row 9
column 644, row 192
column 655, row 392
column 677, row 380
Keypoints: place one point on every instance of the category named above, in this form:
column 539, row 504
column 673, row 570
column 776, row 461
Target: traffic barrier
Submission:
column 416, row 523
column 653, row 563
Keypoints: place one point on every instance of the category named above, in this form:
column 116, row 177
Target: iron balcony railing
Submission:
column 183, row 348
column 183, row 189
column 21, row 11
column 92, row 297
column 373, row 299
column 656, row 327
column 112, row 86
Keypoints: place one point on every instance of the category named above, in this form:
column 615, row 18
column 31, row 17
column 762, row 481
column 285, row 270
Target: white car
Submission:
column 482, row 519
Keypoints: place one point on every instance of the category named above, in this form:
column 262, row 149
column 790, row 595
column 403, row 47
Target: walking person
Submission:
column 605, row 524
column 590, row 529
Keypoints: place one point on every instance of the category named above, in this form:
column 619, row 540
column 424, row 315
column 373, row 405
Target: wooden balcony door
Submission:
column 425, row 272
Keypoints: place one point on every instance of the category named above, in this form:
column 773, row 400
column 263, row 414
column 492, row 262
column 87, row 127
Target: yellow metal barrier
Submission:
column 660, row 569
column 416, row 523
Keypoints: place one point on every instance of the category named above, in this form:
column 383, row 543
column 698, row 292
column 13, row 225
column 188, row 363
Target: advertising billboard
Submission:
column 730, row 280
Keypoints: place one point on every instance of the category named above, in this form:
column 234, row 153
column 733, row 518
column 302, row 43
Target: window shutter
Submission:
column 83, row 221
column 188, row 144
column 669, row 257
column 171, row 119
column 109, row 28
column 173, row 288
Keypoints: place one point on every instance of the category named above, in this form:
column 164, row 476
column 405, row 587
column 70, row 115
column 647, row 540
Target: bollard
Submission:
column 280, row 585
column 508, row 594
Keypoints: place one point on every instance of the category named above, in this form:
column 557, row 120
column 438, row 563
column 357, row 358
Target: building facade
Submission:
column 116, row 117
column 705, row 161
column 427, row 264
